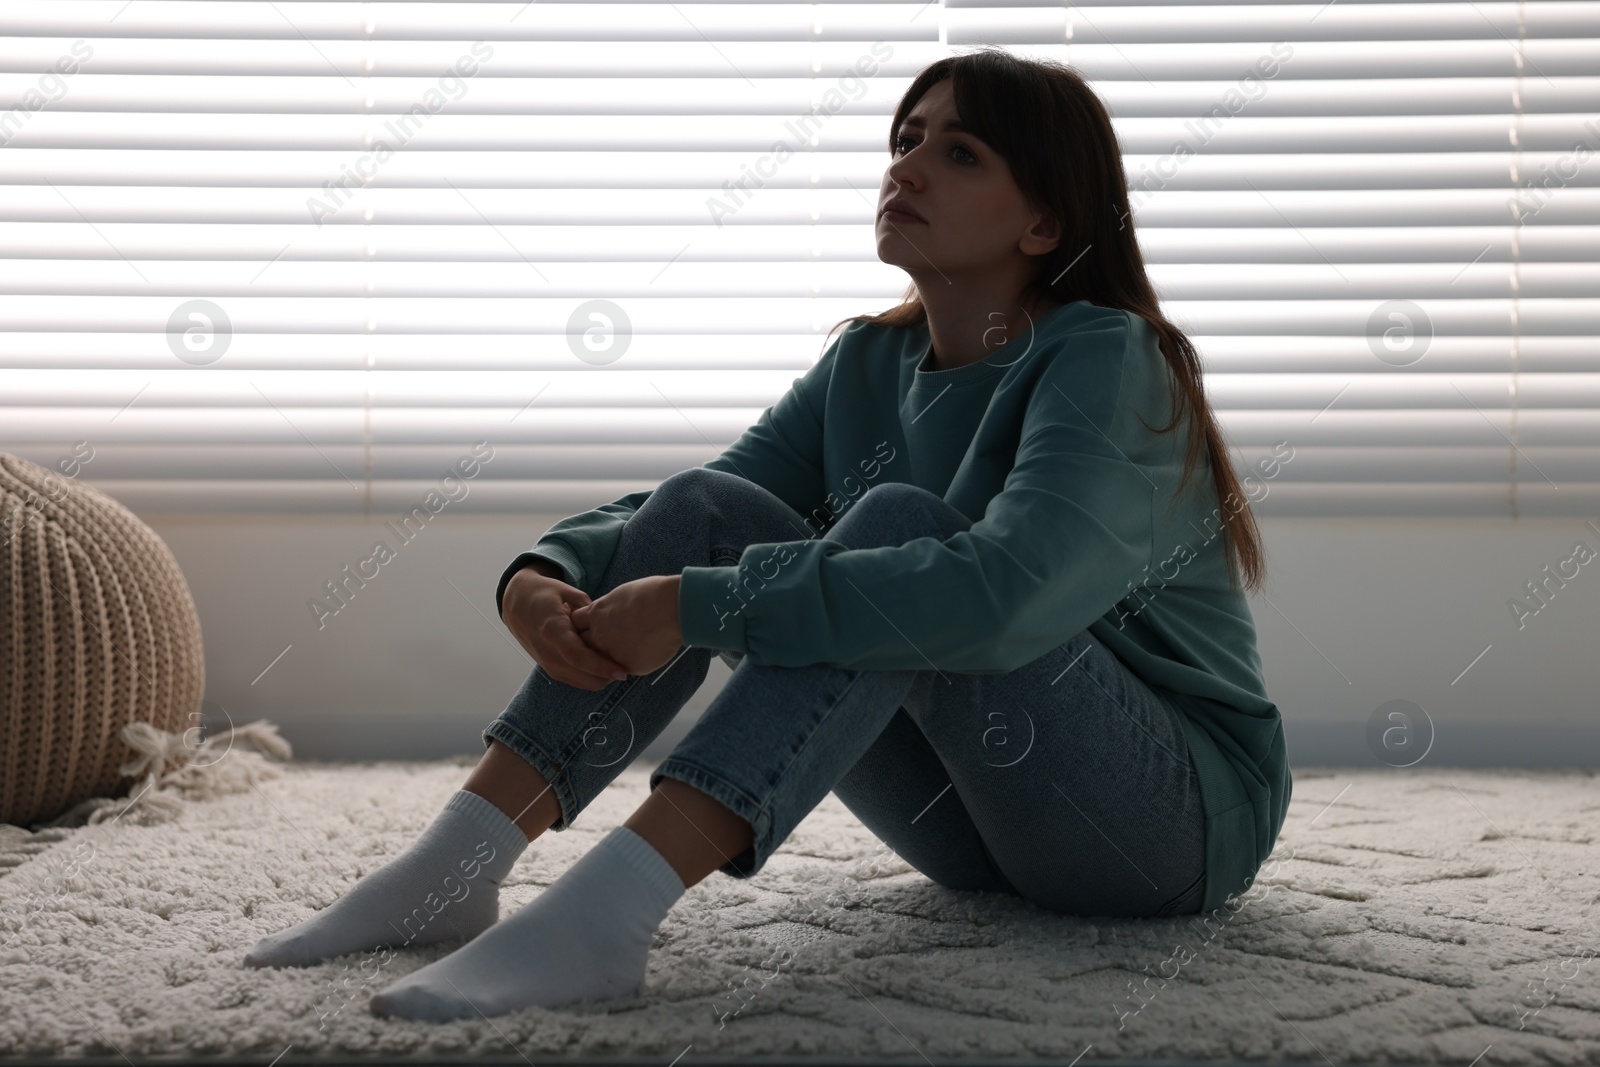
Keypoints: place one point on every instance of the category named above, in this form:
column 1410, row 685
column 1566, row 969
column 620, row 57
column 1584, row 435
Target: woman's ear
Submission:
column 1042, row 237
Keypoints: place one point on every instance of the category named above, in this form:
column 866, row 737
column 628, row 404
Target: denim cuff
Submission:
column 501, row 730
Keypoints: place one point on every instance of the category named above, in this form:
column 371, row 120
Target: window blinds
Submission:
column 530, row 257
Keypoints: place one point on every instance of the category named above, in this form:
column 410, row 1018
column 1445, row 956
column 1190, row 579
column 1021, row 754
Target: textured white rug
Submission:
column 1407, row 916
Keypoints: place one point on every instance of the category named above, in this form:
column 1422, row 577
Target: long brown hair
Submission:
column 1056, row 135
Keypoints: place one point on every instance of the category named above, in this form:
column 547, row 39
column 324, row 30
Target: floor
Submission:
column 1407, row 917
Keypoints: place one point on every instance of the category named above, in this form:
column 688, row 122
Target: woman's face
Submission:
column 974, row 219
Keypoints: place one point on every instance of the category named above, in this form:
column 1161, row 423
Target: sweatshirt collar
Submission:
column 920, row 347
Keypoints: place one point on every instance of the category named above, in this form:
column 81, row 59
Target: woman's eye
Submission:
column 901, row 142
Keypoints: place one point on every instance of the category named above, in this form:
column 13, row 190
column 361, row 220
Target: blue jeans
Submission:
column 1066, row 781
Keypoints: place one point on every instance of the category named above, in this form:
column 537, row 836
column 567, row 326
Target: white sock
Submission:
column 445, row 886
column 586, row 937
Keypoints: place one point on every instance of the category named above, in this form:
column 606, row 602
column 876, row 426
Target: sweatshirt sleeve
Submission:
column 782, row 453
column 1055, row 549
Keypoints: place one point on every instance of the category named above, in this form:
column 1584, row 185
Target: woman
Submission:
column 958, row 574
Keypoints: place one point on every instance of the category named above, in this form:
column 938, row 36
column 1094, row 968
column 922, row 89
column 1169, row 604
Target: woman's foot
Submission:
column 445, row 886
column 586, row 937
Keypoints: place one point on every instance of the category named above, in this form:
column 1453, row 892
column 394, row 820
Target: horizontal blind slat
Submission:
column 69, row 169
column 392, row 502
column 756, row 316
column 718, row 426
column 1549, row 204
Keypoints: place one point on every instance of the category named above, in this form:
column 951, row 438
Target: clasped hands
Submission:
column 636, row 624
column 587, row 643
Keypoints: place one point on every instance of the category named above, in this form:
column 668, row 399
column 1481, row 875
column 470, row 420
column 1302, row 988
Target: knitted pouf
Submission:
column 97, row 630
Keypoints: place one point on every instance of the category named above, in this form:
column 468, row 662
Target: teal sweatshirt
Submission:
column 1075, row 526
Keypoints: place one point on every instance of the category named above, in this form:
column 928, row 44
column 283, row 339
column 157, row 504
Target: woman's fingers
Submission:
column 587, row 660
column 584, row 657
column 574, row 672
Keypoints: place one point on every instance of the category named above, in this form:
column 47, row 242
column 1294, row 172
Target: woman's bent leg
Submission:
column 1077, row 775
column 578, row 740
column 902, row 791
column 776, row 740
column 1066, row 780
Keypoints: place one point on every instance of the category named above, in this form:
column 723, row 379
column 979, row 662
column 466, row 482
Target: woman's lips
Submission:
column 899, row 216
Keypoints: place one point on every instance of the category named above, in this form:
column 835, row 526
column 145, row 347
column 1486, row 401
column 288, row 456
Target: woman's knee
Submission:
column 690, row 495
column 697, row 482
column 892, row 513
column 898, row 496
